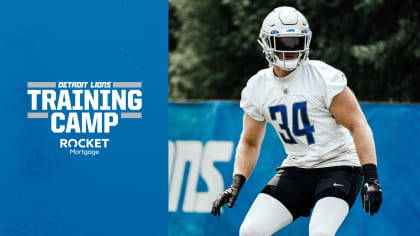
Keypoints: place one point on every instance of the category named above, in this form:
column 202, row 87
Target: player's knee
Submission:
column 320, row 231
column 251, row 230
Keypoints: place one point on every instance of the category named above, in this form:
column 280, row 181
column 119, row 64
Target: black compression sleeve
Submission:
column 238, row 181
column 369, row 171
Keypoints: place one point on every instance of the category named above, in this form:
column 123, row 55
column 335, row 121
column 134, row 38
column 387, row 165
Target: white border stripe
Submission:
column 136, row 115
column 37, row 115
column 41, row 84
column 126, row 84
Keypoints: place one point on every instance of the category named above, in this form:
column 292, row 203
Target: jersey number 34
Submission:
column 299, row 113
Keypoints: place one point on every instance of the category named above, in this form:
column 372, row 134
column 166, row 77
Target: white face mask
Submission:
column 272, row 57
column 286, row 65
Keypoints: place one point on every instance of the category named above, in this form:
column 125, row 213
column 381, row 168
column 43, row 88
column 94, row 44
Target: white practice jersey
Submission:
column 297, row 106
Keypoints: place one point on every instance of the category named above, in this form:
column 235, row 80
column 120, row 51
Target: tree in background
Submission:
column 376, row 43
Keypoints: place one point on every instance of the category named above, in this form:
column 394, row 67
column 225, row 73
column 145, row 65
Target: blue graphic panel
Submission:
column 395, row 128
column 46, row 191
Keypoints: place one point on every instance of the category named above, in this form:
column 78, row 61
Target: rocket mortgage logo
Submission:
column 84, row 109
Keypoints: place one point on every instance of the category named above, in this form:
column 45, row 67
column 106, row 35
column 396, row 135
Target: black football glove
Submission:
column 229, row 195
column 371, row 190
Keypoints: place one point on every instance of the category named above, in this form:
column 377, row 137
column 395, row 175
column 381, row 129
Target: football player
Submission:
column 312, row 109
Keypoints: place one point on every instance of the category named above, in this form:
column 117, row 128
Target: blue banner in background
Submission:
column 43, row 189
column 202, row 141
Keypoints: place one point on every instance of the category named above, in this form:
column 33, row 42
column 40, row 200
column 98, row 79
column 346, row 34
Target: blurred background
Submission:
column 213, row 47
column 213, row 51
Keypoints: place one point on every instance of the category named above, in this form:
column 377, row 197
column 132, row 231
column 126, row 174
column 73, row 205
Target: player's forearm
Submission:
column 245, row 159
column 365, row 145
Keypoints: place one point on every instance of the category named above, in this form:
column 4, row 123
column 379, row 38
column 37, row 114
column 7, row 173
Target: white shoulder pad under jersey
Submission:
column 297, row 106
